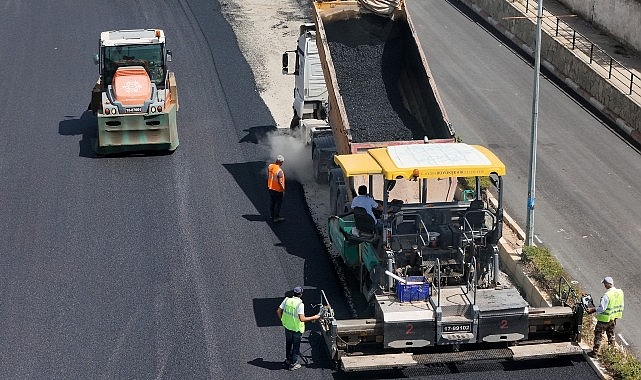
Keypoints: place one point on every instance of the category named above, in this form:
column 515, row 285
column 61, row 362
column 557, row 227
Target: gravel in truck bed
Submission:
column 368, row 60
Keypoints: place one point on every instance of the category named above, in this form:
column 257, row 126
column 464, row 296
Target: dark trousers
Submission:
column 292, row 345
column 276, row 200
column 599, row 329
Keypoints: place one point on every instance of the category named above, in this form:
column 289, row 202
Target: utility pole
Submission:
column 529, row 233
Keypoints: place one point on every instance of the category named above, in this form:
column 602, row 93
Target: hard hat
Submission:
column 298, row 290
column 608, row 280
column 280, row 158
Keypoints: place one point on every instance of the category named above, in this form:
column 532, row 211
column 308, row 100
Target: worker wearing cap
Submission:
column 276, row 187
column 607, row 312
column 291, row 313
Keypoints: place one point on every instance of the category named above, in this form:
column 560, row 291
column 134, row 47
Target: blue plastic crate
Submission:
column 414, row 292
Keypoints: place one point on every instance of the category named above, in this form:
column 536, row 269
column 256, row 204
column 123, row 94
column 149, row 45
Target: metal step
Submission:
column 531, row 351
column 373, row 362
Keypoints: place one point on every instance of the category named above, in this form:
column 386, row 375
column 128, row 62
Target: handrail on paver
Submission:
column 617, row 72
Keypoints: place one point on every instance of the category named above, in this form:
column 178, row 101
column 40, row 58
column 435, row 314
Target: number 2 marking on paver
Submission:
column 503, row 324
column 410, row 329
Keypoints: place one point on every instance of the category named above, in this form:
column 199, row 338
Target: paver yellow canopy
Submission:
column 135, row 98
column 423, row 161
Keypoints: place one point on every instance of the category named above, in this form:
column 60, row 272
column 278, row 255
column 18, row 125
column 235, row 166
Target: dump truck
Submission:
column 430, row 270
column 136, row 97
column 362, row 81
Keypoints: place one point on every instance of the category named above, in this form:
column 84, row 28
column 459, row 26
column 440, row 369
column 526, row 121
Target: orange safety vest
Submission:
column 272, row 178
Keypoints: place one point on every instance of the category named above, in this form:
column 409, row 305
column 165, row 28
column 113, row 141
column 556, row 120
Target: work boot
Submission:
column 294, row 367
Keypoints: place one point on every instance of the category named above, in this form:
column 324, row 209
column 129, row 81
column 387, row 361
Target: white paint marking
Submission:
column 625, row 342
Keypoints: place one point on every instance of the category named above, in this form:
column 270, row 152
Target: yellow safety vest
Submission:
column 290, row 319
column 615, row 306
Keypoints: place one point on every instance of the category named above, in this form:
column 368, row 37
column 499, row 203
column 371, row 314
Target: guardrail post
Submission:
column 591, row 51
column 527, row 4
column 573, row 38
column 610, row 70
column 557, row 27
column 631, row 81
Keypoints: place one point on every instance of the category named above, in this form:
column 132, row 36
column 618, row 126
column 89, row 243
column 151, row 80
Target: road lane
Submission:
column 586, row 182
column 140, row 267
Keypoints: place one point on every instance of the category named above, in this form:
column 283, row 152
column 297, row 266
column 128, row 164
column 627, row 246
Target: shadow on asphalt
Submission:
column 257, row 134
column 312, row 355
column 265, row 311
column 270, row 365
column 86, row 126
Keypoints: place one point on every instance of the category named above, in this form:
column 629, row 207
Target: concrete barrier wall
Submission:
column 512, row 266
column 569, row 63
column 620, row 18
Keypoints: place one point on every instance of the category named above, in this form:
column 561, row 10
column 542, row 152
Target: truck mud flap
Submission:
column 323, row 149
column 336, row 179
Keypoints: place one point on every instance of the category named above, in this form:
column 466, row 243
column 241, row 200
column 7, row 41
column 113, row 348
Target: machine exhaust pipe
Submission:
column 496, row 266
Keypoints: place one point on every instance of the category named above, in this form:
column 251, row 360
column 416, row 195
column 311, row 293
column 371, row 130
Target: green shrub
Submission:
column 469, row 183
column 548, row 269
column 619, row 363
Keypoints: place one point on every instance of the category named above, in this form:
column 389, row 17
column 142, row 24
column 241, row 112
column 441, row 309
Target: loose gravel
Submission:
column 368, row 55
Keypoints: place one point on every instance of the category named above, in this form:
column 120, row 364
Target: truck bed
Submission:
column 383, row 81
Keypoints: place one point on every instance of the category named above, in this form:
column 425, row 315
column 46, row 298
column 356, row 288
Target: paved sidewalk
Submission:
column 624, row 70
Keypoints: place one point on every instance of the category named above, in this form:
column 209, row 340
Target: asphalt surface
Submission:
column 153, row 266
column 586, row 181
column 141, row 267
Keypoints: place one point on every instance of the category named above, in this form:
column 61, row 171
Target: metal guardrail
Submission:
column 624, row 79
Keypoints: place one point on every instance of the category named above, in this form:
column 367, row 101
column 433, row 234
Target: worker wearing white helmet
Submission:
column 607, row 312
column 276, row 187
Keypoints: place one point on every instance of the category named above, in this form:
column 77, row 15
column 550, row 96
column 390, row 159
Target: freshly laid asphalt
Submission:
column 159, row 266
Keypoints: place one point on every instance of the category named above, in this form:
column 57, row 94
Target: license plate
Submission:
column 457, row 328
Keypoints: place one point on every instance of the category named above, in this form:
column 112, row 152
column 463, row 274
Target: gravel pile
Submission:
column 368, row 59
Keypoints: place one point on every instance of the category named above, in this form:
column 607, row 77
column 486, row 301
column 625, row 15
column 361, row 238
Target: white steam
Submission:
column 298, row 156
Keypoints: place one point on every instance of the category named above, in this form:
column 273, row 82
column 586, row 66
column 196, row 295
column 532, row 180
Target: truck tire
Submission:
column 322, row 148
column 295, row 123
column 341, row 200
column 319, row 175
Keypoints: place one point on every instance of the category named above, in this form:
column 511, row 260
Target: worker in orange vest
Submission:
column 276, row 187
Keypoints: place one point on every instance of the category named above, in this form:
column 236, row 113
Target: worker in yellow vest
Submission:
column 291, row 313
column 607, row 312
column 276, row 187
